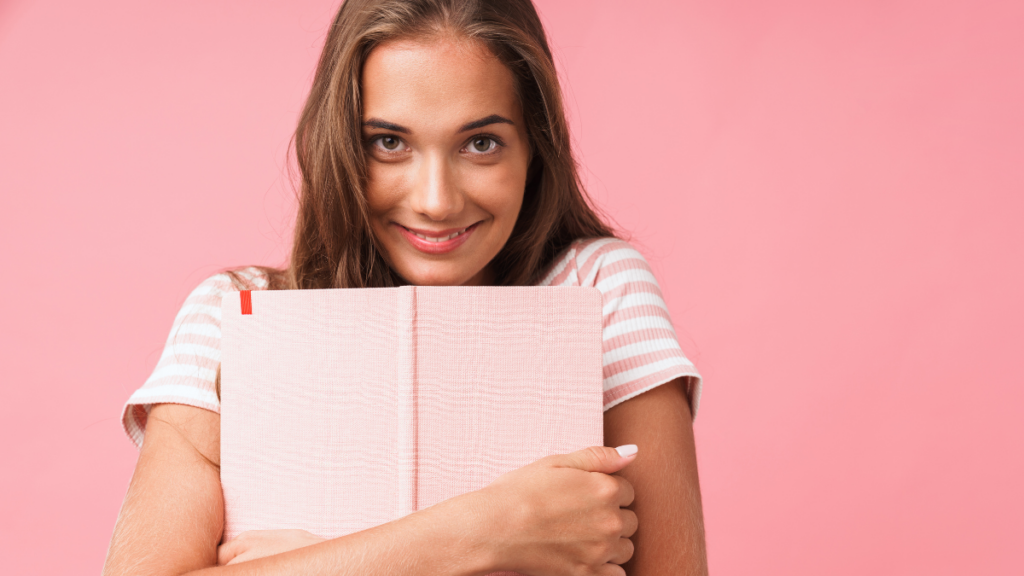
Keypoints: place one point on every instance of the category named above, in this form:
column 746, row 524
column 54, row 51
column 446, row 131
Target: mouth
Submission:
column 436, row 241
column 438, row 236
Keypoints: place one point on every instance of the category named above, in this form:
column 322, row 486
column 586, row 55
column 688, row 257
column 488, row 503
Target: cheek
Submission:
column 383, row 188
column 511, row 199
column 499, row 192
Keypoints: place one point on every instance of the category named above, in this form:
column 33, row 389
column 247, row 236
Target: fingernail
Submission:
column 626, row 450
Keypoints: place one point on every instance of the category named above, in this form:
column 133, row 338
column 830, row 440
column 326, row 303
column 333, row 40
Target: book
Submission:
column 345, row 409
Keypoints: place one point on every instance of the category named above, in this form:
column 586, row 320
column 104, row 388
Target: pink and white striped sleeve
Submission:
column 641, row 349
column 187, row 370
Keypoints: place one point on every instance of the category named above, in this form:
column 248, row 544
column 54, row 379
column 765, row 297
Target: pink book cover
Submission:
column 345, row 409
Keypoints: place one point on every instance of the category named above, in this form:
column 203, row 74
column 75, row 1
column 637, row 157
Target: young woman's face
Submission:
column 447, row 155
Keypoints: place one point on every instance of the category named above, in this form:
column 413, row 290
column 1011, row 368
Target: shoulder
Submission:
column 212, row 289
column 593, row 262
column 607, row 263
column 640, row 348
column 203, row 303
column 186, row 372
column 249, row 278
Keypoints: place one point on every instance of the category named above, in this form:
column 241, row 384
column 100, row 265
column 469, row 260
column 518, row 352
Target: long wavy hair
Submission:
column 334, row 246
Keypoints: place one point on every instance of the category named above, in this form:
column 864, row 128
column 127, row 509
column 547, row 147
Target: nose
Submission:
column 435, row 194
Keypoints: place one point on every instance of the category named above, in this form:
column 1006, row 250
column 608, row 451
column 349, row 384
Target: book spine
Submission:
column 406, row 393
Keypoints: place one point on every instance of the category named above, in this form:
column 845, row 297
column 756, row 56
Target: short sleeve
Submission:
column 187, row 370
column 641, row 349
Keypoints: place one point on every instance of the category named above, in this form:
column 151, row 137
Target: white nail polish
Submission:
column 626, row 450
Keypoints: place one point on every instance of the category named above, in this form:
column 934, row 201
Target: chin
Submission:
column 436, row 278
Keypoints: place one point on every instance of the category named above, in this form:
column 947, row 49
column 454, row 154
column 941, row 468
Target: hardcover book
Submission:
column 345, row 409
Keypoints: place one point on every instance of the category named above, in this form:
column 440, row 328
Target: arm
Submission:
column 670, row 535
column 172, row 518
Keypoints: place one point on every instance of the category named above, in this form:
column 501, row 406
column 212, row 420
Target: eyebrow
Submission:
column 386, row 126
column 492, row 119
column 487, row 121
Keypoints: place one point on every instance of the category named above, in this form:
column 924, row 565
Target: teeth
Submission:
column 438, row 239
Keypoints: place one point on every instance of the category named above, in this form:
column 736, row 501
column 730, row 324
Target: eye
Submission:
column 388, row 143
column 482, row 145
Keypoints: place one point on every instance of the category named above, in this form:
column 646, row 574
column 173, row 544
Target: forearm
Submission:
column 446, row 539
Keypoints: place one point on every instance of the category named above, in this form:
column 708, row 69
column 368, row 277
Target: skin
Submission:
column 590, row 512
column 670, row 535
column 432, row 175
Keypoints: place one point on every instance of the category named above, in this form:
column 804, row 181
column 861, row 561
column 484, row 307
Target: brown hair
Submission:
column 334, row 246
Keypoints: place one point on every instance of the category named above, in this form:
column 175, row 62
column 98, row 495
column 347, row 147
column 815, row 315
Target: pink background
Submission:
column 830, row 194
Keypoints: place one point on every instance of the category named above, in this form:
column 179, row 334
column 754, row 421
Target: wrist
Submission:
column 464, row 529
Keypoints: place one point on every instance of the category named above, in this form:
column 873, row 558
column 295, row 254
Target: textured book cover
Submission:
column 345, row 409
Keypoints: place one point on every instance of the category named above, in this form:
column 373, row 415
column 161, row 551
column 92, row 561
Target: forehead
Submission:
column 423, row 83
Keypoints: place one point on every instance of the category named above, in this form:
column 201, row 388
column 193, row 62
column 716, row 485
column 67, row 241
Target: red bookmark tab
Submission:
column 246, row 301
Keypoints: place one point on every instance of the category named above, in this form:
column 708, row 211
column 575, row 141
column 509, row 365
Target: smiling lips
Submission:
column 436, row 242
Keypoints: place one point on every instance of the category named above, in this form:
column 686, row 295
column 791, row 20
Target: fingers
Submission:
column 623, row 552
column 226, row 552
column 611, row 570
column 239, row 549
column 629, row 522
column 594, row 459
column 626, row 492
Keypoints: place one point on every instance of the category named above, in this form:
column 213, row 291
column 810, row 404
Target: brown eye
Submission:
column 389, row 142
column 482, row 144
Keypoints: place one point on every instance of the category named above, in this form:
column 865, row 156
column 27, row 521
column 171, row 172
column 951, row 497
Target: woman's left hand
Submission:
column 259, row 543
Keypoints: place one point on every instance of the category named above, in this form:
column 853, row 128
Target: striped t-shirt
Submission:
column 640, row 348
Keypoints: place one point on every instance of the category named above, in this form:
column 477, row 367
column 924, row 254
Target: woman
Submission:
column 434, row 151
